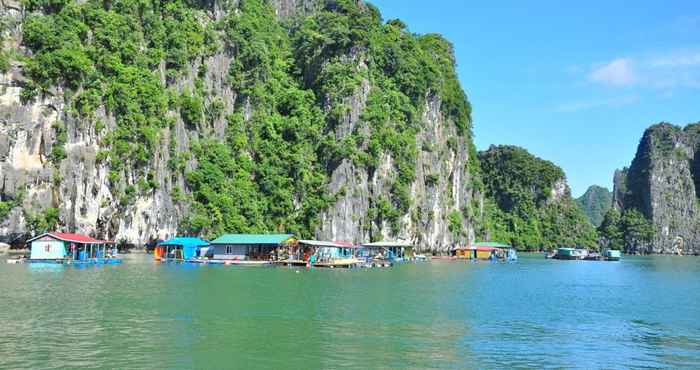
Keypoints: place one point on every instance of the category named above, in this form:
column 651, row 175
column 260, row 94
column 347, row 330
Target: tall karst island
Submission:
column 134, row 120
column 656, row 201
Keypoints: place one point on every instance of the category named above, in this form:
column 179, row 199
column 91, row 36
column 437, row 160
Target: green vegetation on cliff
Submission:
column 528, row 203
column 291, row 80
column 625, row 231
column 595, row 202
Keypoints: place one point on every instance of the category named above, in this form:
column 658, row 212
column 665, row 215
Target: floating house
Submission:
column 71, row 248
column 394, row 251
column 181, row 248
column 487, row 251
column 318, row 253
column 333, row 254
column 247, row 249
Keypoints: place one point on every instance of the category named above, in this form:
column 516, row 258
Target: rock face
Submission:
column 440, row 187
column 33, row 180
column 595, row 202
column 663, row 184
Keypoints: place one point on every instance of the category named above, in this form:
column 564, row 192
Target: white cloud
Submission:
column 618, row 72
column 667, row 70
column 677, row 60
column 577, row 106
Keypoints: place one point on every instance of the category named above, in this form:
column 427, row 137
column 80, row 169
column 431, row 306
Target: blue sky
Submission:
column 573, row 82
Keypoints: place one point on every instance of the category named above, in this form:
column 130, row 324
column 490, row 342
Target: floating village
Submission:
column 275, row 250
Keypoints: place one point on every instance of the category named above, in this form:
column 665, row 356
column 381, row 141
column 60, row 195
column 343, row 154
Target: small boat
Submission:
column 420, row 258
column 487, row 251
column 570, row 254
column 247, row 262
column 612, row 255
column 593, row 257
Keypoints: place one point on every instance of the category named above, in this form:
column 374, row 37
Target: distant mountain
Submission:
column 595, row 202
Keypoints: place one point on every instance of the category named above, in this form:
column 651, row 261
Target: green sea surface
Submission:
column 641, row 312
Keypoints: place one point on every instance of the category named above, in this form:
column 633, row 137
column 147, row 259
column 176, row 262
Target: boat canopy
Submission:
column 345, row 244
column 252, row 239
column 317, row 243
column 491, row 245
column 485, row 246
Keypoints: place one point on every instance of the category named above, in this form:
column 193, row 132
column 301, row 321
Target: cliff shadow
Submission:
column 695, row 172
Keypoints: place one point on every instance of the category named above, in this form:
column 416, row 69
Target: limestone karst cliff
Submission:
column 140, row 120
column 662, row 185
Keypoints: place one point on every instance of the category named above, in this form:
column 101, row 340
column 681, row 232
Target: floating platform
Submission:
column 91, row 261
column 205, row 261
column 340, row 263
column 292, row 263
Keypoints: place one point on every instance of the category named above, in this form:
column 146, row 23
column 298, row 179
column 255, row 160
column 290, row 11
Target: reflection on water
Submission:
column 641, row 312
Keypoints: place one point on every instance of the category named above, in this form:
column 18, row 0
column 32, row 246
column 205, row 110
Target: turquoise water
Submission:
column 641, row 312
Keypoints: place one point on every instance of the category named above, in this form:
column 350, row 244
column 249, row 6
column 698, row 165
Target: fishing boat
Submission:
column 565, row 253
column 612, row 255
column 69, row 248
column 487, row 251
column 594, row 256
column 333, row 255
column 317, row 253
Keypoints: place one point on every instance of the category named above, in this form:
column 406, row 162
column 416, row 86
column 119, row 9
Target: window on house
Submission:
column 229, row 249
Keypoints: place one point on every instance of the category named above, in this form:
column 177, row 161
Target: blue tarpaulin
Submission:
column 189, row 245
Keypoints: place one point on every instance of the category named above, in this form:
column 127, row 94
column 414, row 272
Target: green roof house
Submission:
column 247, row 248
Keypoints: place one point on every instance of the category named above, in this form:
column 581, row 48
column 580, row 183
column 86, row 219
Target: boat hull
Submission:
column 92, row 261
column 341, row 263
